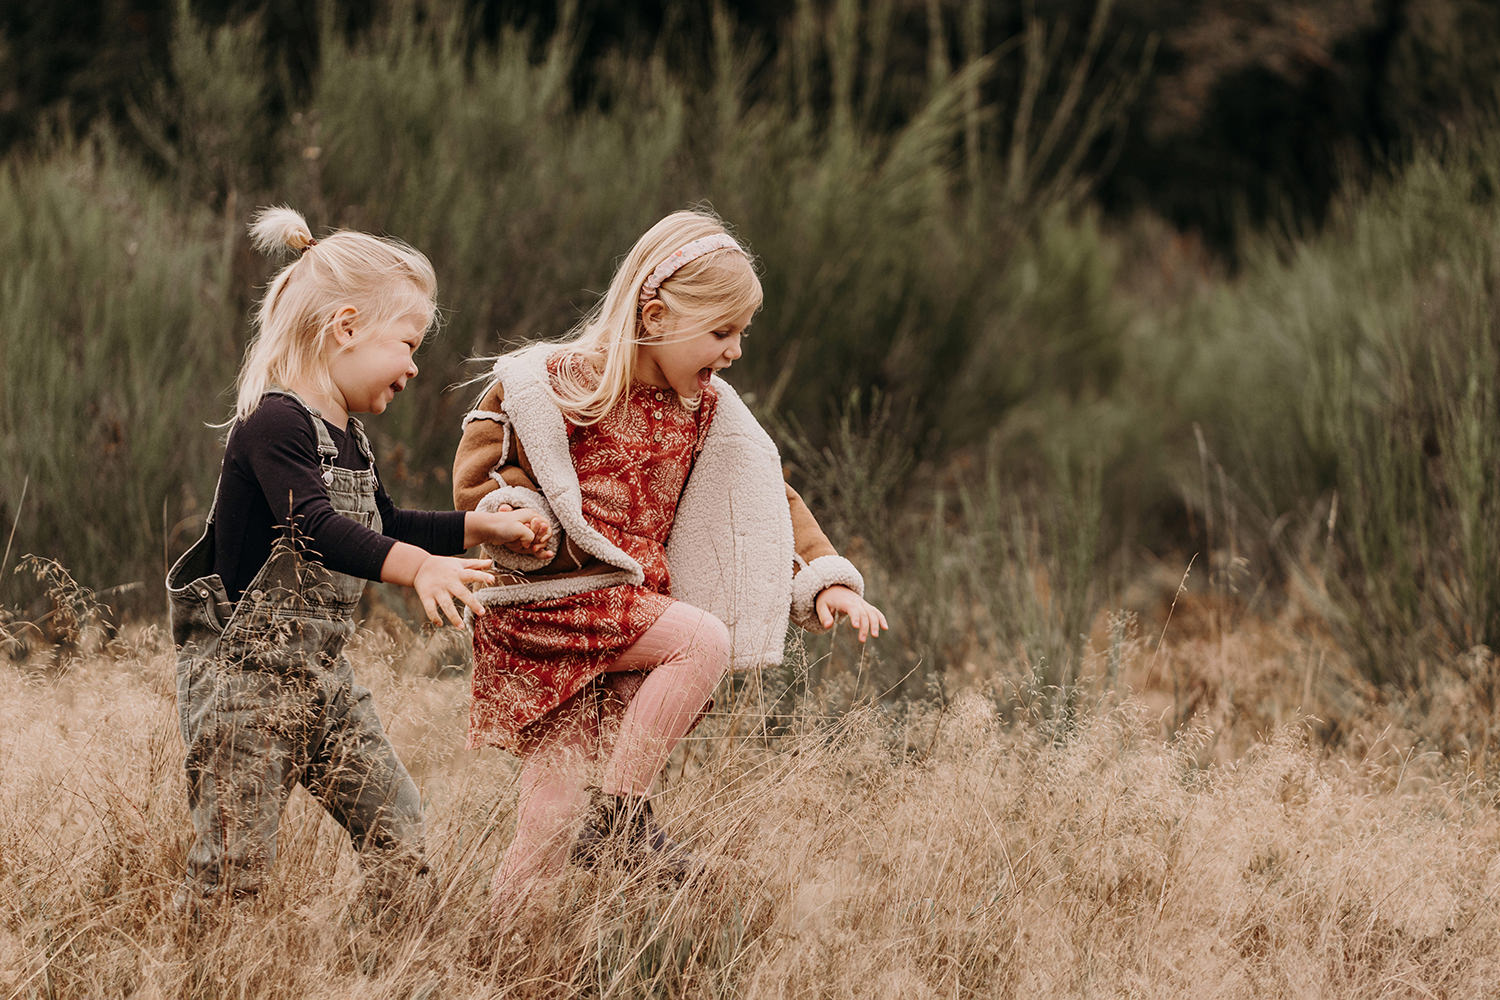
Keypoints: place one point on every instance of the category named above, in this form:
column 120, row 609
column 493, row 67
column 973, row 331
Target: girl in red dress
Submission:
column 679, row 550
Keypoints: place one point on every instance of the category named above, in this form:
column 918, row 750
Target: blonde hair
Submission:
column 704, row 292
column 383, row 278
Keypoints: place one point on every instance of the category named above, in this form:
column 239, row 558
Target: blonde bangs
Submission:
column 720, row 286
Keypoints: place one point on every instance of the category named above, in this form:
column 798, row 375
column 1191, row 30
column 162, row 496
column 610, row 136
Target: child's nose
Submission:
column 732, row 348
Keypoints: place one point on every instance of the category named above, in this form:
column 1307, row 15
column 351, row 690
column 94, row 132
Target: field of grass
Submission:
column 969, row 847
column 1191, row 572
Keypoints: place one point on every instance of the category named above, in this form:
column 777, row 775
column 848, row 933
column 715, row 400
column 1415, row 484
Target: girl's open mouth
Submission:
column 704, row 375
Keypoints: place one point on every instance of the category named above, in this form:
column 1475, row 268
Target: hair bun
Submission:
column 278, row 229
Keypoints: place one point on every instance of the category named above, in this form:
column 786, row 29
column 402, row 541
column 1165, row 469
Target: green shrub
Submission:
column 1352, row 378
column 125, row 315
column 116, row 325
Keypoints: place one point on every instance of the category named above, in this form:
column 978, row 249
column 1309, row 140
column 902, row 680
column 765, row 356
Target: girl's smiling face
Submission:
column 372, row 364
column 682, row 356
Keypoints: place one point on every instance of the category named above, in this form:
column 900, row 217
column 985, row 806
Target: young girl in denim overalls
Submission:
column 680, row 551
column 263, row 603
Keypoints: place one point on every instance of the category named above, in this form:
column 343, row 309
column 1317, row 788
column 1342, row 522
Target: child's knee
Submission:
column 712, row 641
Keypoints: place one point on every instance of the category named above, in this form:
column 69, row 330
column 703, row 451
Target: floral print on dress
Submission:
column 531, row 660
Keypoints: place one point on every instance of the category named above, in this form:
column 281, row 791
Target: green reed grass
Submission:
column 1349, row 379
column 945, row 327
column 116, row 327
column 126, row 315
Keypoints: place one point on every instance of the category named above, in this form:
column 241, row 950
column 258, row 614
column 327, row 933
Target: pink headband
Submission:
column 691, row 251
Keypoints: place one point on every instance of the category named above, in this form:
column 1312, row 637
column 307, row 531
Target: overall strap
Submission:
column 327, row 450
column 358, row 430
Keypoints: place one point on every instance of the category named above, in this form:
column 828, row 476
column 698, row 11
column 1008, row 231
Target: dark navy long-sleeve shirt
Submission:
column 272, row 477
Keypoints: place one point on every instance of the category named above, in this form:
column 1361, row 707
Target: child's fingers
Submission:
column 481, row 576
column 471, row 602
column 450, row 610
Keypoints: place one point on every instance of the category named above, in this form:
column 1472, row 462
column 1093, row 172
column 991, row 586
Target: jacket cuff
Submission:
column 810, row 581
column 517, row 497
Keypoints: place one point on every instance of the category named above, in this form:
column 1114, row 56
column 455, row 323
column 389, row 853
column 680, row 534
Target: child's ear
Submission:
column 654, row 317
column 344, row 322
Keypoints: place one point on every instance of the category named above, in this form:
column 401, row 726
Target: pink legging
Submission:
column 633, row 727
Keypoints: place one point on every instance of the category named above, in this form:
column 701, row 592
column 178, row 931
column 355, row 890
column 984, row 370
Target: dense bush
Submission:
column 1351, row 378
column 1002, row 405
column 881, row 270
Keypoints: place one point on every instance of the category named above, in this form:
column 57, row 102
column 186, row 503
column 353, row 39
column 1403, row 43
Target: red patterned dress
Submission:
column 532, row 659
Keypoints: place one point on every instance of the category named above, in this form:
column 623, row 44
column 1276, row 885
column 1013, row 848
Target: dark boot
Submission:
column 621, row 828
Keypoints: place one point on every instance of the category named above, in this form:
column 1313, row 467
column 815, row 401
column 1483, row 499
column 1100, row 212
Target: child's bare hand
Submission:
column 443, row 580
column 840, row 600
column 522, row 530
column 533, row 535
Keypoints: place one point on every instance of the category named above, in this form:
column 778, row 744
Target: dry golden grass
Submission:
column 956, row 850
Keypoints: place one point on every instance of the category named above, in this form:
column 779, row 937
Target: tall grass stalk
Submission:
column 116, row 328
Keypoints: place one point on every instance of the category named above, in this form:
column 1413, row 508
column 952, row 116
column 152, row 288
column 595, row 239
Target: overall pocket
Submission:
column 196, row 612
column 197, row 631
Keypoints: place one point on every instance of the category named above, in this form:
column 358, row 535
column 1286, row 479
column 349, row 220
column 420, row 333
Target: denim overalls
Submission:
column 266, row 698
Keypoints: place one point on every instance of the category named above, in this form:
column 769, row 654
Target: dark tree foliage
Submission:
column 81, row 60
column 1251, row 119
column 1254, row 112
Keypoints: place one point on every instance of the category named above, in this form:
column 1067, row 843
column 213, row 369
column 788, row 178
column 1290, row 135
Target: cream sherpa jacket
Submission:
column 743, row 544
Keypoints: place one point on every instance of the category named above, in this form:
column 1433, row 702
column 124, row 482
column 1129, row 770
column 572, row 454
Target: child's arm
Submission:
column 451, row 533
column 275, row 452
column 426, row 563
column 493, row 481
column 825, row 585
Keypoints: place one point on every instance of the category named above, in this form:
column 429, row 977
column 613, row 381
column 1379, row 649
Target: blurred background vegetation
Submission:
column 1062, row 299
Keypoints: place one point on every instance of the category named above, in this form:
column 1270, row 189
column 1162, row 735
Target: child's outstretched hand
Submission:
column 442, row 580
column 522, row 530
column 840, row 600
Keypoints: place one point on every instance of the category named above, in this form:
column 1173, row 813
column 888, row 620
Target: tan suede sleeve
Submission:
column 482, row 450
column 807, row 538
column 486, row 448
